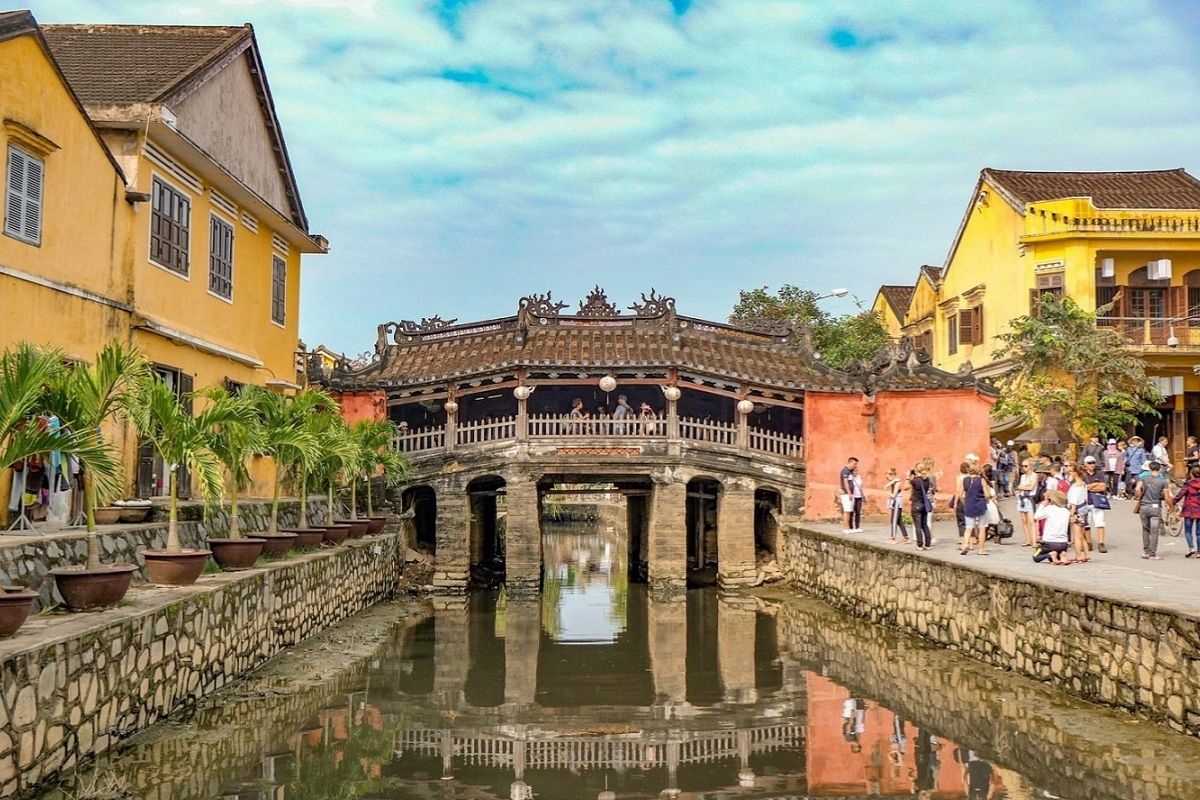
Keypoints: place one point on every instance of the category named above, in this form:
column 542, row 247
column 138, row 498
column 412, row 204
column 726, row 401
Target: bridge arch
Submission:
column 422, row 501
column 768, row 508
column 486, row 496
column 702, row 520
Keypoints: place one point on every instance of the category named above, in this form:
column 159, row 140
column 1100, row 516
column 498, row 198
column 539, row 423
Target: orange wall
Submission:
column 900, row 429
column 362, row 405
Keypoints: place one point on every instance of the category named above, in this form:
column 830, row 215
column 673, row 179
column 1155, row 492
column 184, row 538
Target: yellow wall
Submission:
column 883, row 309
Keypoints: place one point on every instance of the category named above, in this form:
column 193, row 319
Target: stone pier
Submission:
column 523, row 536
column 735, row 534
column 667, row 539
column 522, row 644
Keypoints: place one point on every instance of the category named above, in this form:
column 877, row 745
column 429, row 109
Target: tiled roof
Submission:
column 934, row 274
column 1171, row 188
column 898, row 297
column 13, row 23
column 721, row 352
column 121, row 64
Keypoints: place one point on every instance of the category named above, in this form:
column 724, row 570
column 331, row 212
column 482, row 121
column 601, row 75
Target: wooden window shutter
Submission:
column 977, row 325
column 952, row 337
column 23, row 196
column 966, row 325
column 1176, row 305
column 183, row 475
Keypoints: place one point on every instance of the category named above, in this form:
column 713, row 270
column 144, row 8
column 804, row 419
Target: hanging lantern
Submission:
column 451, row 407
column 745, row 406
column 608, row 383
column 672, row 393
column 522, row 392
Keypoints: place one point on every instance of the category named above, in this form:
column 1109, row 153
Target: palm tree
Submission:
column 340, row 455
column 27, row 374
column 85, row 398
column 289, row 439
column 180, row 440
column 374, row 438
column 233, row 442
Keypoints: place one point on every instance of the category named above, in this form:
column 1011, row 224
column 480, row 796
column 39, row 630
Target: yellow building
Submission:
column 891, row 306
column 1097, row 237
column 170, row 217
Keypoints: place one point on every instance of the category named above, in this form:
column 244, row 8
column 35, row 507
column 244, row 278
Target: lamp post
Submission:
column 834, row 293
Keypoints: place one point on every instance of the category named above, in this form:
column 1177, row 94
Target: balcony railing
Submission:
column 1108, row 223
column 553, row 427
column 1153, row 331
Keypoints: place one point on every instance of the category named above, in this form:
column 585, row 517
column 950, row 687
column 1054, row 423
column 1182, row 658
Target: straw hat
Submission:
column 1058, row 498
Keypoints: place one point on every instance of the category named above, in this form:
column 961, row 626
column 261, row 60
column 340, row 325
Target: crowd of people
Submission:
column 1062, row 503
column 627, row 420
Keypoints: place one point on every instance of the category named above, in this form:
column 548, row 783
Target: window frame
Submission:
column 186, row 275
column 214, row 220
column 277, row 261
column 952, row 335
column 21, row 236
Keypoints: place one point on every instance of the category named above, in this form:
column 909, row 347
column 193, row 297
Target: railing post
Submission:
column 522, row 420
column 743, row 431
column 451, row 429
column 672, row 419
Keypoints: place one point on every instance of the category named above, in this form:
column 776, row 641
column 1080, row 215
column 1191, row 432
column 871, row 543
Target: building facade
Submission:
column 1126, row 243
column 167, row 213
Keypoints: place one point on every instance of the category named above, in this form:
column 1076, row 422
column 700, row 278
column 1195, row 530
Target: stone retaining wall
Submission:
column 26, row 560
column 74, row 689
column 1138, row 659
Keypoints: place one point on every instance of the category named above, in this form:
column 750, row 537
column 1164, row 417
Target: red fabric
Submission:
column 1189, row 498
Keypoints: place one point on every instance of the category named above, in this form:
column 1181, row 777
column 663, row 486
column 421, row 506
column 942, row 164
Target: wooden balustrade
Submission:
column 559, row 428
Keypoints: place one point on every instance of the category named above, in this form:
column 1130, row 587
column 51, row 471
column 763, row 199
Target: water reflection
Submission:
column 596, row 690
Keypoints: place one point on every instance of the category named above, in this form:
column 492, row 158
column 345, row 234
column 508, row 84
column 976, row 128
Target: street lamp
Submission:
column 835, row 293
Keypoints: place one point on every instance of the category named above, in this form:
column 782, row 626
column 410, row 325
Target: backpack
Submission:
column 1064, row 485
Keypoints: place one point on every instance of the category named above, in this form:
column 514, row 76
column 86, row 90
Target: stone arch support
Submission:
column 735, row 533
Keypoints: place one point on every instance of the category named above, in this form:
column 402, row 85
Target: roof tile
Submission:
column 1163, row 189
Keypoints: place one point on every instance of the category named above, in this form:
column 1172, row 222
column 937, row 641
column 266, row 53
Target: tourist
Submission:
column 1188, row 502
column 1077, row 504
column 1026, row 489
column 960, row 518
column 895, row 504
column 921, row 503
column 856, row 492
column 621, row 412
column 934, row 475
column 1191, row 454
column 846, row 494
column 1162, row 454
column 973, row 497
column 1056, row 528
column 1005, row 469
column 1098, row 498
column 1152, row 494
column 1114, row 466
column 1135, row 460
column 854, row 722
column 576, row 416
column 649, row 420
column 1093, row 448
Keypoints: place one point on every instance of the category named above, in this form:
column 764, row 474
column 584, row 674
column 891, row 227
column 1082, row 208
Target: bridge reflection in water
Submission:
column 598, row 690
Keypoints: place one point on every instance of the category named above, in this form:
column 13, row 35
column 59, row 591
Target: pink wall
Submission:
column 897, row 430
column 362, row 405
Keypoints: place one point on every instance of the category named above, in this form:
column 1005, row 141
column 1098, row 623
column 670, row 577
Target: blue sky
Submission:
column 461, row 153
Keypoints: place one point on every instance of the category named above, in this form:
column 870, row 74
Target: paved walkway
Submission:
column 1120, row 574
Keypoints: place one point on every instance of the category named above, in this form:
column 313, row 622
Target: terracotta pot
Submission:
column 358, row 527
column 93, row 589
column 107, row 515
column 336, row 534
column 232, row 555
column 174, row 569
column 16, row 604
column 276, row 544
column 376, row 525
column 306, row 538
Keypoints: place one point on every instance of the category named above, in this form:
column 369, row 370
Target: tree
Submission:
column 340, row 456
column 840, row 341
column 289, row 440
column 234, row 441
column 374, row 438
column 1063, row 361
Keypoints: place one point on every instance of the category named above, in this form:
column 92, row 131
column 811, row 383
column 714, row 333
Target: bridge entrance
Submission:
column 703, row 504
column 488, row 511
column 421, row 503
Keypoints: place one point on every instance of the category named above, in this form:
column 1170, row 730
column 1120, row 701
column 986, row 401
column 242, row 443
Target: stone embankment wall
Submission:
column 73, row 690
column 1138, row 659
column 27, row 560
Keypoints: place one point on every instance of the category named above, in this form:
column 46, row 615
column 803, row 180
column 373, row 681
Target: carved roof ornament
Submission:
column 655, row 305
column 597, row 305
column 779, row 328
column 541, row 306
column 426, row 325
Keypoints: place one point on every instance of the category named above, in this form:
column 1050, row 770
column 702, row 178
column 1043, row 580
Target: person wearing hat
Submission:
column 1093, row 448
column 1135, row 459
column 1112, row 465
column 1056, row 530
column 1152, row 495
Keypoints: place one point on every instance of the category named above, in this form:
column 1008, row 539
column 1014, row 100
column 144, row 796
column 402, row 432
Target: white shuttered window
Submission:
column 23, row 196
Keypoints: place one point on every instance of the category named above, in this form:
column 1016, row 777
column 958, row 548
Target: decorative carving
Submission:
column 655, row 305
column 391, row 332
column 538, row 306
column 597, row 305
column 427, row 324
column 779, row 328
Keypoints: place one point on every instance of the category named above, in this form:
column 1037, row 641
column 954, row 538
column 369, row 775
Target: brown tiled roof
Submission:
column 1169, row 188
column 120, row 64
column 717, row 350
column 898, row 297
column 933, row 273
column 14, row 23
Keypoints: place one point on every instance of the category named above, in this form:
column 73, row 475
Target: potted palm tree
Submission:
column 339, row 456
column 289, row 440
column 86, row 398
column 179, row 439
column 233, row 442
column 26, row 373
column 374, row 438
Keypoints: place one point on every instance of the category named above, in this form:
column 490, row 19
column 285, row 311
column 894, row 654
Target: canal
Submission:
column 599, row 690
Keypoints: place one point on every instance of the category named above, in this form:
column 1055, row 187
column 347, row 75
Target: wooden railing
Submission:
column 559, row 427
column 1154, row 331
column 487, row 430
column 698, row 430
column 545, row 427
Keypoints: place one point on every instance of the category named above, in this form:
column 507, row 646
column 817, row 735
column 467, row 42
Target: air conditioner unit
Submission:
column 1159, row 269
column 1108, row 268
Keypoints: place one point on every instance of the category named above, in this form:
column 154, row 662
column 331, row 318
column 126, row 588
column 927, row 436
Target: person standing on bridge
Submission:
column 921, row 499
column 846, row 494
column 622, row 412
column 895, row 504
